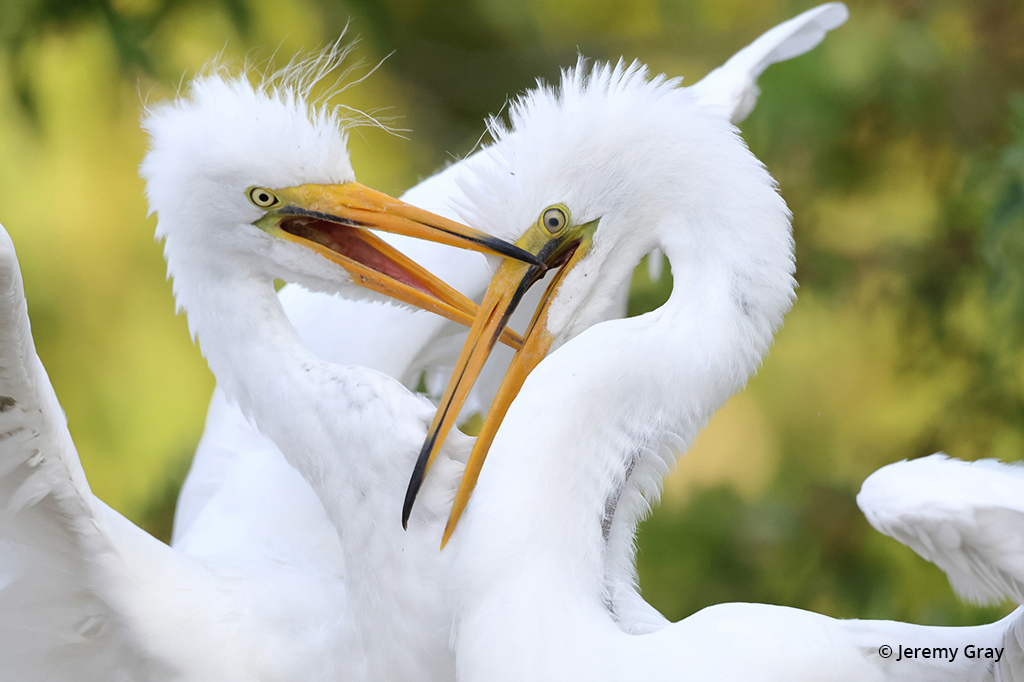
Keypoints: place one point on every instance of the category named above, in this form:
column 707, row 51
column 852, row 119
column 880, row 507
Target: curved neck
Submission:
column 602, row 417
column 248, row 342
column 318, row 414
column 329, row 421
column 262, row 365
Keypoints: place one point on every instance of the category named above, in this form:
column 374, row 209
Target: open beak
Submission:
column 335, row 221
column 510, row 283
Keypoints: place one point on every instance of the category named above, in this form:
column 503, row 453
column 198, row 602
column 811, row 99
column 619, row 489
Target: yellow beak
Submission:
column 334, row 221
column 507, row 288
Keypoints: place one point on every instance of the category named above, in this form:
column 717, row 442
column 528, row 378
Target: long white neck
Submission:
column 353, row 434
column 612, row 404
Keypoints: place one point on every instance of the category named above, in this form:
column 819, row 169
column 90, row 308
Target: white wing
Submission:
column 732, row 87
column 967, row 518
column 86, row 596
column 55, row 538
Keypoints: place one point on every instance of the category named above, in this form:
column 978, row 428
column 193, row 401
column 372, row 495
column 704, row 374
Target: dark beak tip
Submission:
column 410, row 498
column 415, row 481
column 512, row 251
column 529, row 257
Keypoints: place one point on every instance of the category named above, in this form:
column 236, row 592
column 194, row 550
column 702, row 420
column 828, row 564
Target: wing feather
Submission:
column 732, row 87
column 965, row 517
column 53, row 625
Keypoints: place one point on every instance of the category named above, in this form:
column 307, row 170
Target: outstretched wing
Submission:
column 732, row 87
column 53, row 624
column 965, row 517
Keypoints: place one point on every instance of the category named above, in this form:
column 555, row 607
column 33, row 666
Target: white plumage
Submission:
column 732, row 87
column 87, row 596
column 598, row 422
column 967, row 518
column 214, row 610
column 404, row 343
column 84, row 594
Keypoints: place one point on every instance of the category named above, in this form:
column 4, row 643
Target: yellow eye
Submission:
column 554, row 219
column 263, row 198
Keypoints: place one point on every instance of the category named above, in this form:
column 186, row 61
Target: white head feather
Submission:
column 657, row 168
column 225, row 135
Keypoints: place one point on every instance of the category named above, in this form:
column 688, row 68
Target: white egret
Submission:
column 84, row 594
column 598, row 172
column 965, row 517
column 218, row 497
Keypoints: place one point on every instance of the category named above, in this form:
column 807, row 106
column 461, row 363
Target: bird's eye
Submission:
column 554, row 219
column 263, row 198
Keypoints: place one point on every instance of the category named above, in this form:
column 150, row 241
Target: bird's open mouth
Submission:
column 564, row 256
column 356, row 244
column 337, row 221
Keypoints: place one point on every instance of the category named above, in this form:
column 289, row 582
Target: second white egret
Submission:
column 592, row 175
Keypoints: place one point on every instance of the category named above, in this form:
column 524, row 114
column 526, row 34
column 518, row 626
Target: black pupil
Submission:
column 264, row 197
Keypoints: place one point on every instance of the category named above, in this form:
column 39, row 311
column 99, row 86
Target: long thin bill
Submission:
column 374, row 264
column 362, row 206
column 507, row 288
column 535, row 347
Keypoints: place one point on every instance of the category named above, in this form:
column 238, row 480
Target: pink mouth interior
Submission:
column 355, row 244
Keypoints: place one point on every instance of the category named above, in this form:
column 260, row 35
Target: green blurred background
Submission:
column 899, row 145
